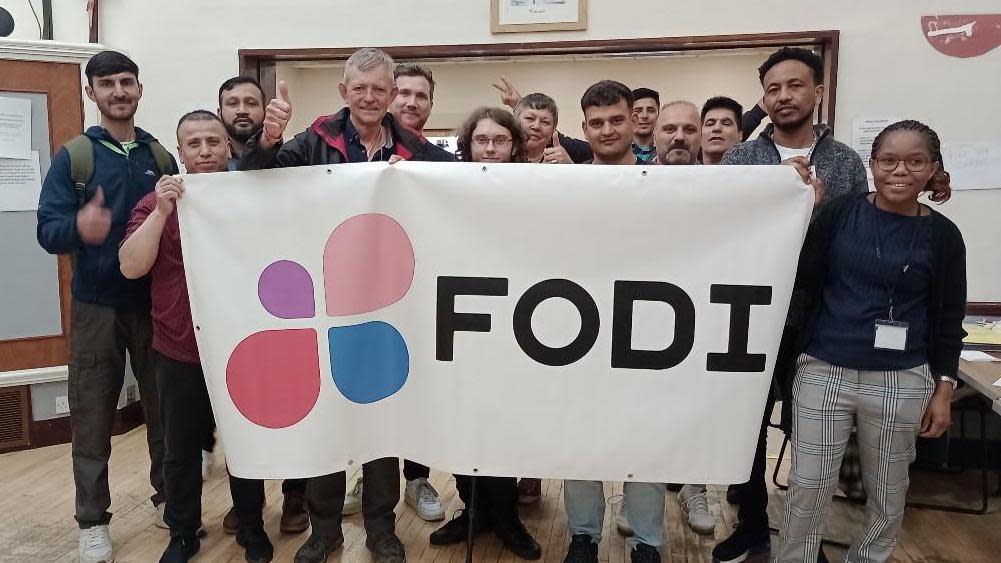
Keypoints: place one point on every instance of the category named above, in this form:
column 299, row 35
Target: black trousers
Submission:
column 293, row 487
column 381, row 483
column 752, row 496
column 187, row 415
column 413, row 470
column 496, row 497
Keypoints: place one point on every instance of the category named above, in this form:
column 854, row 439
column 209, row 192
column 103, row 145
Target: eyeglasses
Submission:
column 888, row 164
column 499, row 142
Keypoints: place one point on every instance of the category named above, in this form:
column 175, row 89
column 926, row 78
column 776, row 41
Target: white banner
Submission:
column 584, row 322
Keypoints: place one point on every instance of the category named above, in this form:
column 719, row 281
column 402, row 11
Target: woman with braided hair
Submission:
column 884, row 281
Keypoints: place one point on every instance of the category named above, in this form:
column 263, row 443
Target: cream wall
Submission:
column 187, row 47
column 462, row 86
column 69, row 20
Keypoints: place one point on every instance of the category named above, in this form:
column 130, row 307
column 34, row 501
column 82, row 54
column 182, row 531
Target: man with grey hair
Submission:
column 361, row 132
column 678, row 133
column 678, row 139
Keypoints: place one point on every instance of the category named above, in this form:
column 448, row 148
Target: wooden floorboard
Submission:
column 36, row 518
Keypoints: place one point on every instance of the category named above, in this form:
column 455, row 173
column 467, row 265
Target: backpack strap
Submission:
column 163, row 159
column 81, row 151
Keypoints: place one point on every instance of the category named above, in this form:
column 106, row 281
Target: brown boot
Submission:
column 295, row 518
column 231, row 522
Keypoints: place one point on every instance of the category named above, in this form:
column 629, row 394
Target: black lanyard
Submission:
column 892, row 289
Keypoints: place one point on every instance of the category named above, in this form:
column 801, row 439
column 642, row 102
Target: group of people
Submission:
column 871, row 341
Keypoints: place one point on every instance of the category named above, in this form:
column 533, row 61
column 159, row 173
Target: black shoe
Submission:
column 742, row 543
column 582, row 550
column 318, row 547
column 517, row 540
column 644, row 553
column 257, row 546
column 295, row 517
column 457, row 529
column 179, row 550
column 386, row 548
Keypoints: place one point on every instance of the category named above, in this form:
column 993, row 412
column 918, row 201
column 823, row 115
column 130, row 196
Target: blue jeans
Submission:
column 585, row 504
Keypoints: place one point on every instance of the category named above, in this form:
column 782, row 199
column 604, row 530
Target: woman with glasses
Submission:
column 883, row 278
column 490, row 135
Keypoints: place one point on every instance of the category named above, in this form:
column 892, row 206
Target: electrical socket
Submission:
column 131, row 394
column 62, row 405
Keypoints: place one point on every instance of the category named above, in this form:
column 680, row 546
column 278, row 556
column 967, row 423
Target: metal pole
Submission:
column 471, row 511
column 47, row 19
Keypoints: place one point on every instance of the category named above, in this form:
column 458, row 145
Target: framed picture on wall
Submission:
column 513, row 16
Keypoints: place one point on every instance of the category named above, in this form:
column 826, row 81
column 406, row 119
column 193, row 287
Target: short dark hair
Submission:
column 107, row 63
column 538, row 101
column 807, row 57
column 606, row 93
column 723, row 102
column 415, row 70
column 238, row 80
column 501, row 117
column 640, row 93
column 198, row 115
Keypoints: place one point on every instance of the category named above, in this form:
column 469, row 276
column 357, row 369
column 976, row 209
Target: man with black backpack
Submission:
column 88, row 193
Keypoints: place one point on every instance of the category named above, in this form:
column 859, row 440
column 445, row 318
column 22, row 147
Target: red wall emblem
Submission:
column 963, row 36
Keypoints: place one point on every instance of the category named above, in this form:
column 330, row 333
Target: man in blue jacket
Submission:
column 110, row 315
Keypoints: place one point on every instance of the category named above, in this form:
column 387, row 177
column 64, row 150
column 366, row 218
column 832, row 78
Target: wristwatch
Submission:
column 951, row 380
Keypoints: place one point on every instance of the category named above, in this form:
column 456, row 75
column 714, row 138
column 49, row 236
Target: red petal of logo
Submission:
column 963, row 36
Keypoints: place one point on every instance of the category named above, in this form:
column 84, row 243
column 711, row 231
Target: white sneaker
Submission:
column 95, row 545
column 421, row 496
column 693, row 499
column 622, row 525
column 352, row 500
column 208, row 461
column 158, row 520
column 622, row 522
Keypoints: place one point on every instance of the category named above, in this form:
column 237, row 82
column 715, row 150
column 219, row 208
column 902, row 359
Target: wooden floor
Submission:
column 36, row 519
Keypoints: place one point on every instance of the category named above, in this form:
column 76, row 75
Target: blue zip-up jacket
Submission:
column 97, row 277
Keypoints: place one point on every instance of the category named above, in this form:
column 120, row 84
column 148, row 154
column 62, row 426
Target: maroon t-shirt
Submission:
column 173, row 329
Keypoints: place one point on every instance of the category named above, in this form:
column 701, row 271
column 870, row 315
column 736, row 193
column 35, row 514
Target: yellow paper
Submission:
column 978, row 334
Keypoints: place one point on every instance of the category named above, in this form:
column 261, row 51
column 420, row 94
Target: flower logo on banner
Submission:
column 273, row 376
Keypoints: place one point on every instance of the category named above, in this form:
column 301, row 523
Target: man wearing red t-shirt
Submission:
column 152, row 246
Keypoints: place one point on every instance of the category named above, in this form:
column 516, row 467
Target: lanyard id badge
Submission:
column 891, row 335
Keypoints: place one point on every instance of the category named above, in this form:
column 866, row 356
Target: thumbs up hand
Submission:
column 556, row 154
column 276, row 117
column 93, row 221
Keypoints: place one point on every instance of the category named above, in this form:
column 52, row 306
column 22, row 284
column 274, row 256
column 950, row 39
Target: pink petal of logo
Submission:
column 368, row 264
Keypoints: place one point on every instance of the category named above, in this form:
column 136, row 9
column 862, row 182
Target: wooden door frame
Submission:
column 60, row 82
column 261, row 63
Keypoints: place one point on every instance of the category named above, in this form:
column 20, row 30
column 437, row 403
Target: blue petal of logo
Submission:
column 369, row 361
